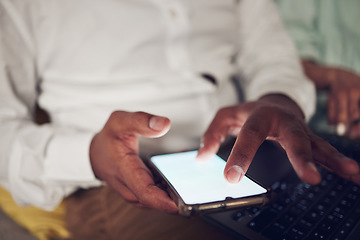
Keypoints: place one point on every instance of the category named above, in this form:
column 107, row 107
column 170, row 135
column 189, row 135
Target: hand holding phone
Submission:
column 199, row 186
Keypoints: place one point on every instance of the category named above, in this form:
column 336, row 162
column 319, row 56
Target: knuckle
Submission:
column 241, row 158
column 130, row 199
column 275, row 113
column 252, row 130
column 228, row 112
column 257, row 128
column 139, row 118
column 126, row 137
column 269, row 108
column 240, row 155
column 221, row 111
column 144, row 198
column 298, row 133
column 141, row 113
column 303, row 154
column 115, row 115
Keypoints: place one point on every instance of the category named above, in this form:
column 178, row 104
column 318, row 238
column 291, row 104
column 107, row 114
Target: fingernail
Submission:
column 156, row 123
column 234, row 174
column 202, row 157
column 341, row 129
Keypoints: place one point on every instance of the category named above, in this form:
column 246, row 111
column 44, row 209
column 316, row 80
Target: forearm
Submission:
column 43, row 164
column 268, row 62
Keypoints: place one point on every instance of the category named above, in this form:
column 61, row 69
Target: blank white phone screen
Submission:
column 202, row 181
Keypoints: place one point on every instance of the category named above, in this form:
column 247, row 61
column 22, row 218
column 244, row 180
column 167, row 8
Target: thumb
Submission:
column 141, row 123
column 160, row 125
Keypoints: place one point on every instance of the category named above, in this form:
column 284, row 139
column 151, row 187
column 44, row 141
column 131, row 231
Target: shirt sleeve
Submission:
column 301, row 25
column 39, row 165
column 267, row 59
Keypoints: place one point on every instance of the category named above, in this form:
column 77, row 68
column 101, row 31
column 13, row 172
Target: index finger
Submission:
column 253, row 133
column 342, row 111
column 225, row 120
column 139, row 180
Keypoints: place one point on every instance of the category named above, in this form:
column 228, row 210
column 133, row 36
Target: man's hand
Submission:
column 343, row 101
column 114, row 157
column 344, row 96
column 278, row 118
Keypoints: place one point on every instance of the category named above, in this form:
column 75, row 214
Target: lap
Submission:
column 101, row 213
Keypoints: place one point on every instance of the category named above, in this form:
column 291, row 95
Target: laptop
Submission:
column 329, row 210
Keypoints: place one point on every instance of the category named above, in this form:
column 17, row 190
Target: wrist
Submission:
column 318, row 74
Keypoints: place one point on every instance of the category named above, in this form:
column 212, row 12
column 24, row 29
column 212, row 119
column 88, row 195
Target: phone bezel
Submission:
column 195, row 209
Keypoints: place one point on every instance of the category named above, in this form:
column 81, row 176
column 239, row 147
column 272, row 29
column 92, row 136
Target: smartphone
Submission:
column 200, row 187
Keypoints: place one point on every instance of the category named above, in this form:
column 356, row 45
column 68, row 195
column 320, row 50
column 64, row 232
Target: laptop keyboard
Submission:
column 329, row 210
column 298, row 212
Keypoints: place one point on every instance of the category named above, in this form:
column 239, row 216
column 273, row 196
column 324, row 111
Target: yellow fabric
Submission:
column 43, row 224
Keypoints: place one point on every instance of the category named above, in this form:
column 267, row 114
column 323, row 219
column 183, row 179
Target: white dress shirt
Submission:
column 83, row 59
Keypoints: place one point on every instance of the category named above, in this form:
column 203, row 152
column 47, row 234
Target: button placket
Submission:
column 177, row 25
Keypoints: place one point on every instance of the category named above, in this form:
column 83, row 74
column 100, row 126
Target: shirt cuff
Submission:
column 67, row 160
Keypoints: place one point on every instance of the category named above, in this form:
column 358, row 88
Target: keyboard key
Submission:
column 274, row 231
column 319, row 234
column 285, row 200
column 316, row 189
column 320, row 208
column 304, row 204
column 355, row 189
column 313, row 217
column 287, row 219
column 300, row 214
column 338, row 215
column 290, row 237
column 329, row 177
column 351, row 197
column 326, row 201
column 277, row 207
column 327, row 225
column 253, row 211
column 237, row 216
column 331, row 219
column 263, row 219
column 295, row 211
column 305, row 224
column 310, row 196
column 343, row 231
column 355, row 215
column 346, row 204
column 298, row 231
column 333, row 194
